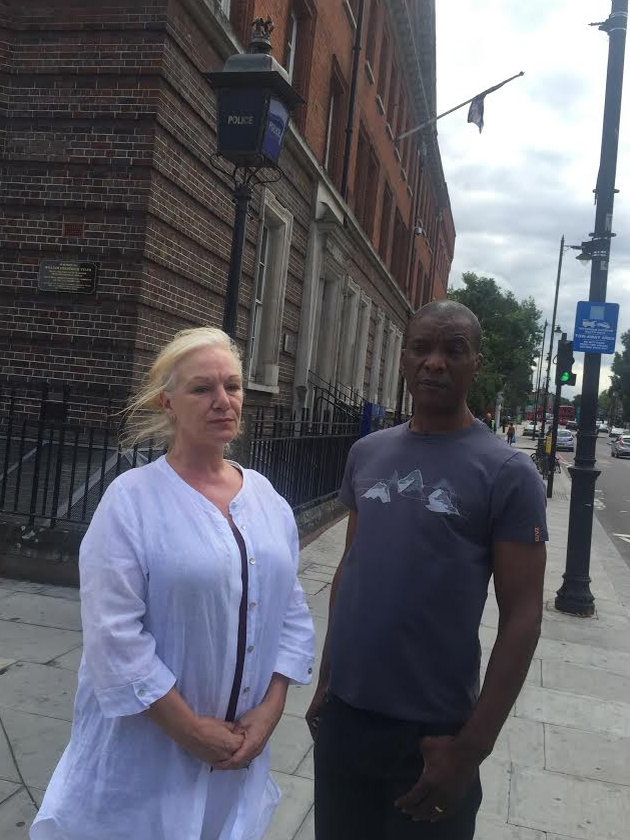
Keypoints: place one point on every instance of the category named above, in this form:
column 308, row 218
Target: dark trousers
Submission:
column 363, row 763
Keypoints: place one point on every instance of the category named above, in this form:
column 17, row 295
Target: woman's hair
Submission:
column 145, row 419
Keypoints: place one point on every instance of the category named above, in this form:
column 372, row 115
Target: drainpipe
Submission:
column 356, row 50
column 413, row 221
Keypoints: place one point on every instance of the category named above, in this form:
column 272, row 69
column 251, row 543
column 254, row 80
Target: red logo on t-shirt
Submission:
column 536, row 534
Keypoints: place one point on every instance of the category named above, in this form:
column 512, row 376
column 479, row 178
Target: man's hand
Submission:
column 314, row 710
column 256, row 727
column 449, row 771
column 214, row 741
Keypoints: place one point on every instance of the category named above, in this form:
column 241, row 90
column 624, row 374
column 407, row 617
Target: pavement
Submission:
column 560, row 770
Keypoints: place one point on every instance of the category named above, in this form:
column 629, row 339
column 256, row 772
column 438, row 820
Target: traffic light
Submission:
column 564, row 364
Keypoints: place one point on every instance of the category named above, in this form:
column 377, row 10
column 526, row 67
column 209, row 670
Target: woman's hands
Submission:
column 213, row 741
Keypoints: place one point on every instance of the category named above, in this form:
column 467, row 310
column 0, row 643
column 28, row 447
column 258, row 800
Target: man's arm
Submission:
column 312, row 714
column 451, row 764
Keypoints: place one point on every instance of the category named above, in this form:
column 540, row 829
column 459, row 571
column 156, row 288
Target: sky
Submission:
column 529, row 176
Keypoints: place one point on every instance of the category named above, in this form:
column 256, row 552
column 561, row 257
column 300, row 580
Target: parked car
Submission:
column 572, row 425
column 528, row 430
column 565, row 442
column 603, row 427
column 615, row 433
column 621, row 447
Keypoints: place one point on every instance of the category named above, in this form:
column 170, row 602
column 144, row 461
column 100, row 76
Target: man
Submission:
column 436, row 507
column 489, row 422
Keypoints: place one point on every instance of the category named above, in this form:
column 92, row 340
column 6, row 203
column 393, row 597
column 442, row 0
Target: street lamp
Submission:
column 254, row 103
column 575, row 596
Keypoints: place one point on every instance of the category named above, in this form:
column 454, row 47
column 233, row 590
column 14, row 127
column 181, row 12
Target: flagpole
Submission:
column 457, row 107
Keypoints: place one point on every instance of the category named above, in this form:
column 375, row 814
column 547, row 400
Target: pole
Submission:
column 356, row 50
column 427, row 123
column 540, row 364
column 553, row 321
column 242, row 195
column 554, row 434
column 575, row 596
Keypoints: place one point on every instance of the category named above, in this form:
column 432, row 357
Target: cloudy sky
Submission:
column 528, row 178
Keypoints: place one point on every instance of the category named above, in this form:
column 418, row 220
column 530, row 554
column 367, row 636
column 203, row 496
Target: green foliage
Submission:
column 511, row 335
column 620, row 382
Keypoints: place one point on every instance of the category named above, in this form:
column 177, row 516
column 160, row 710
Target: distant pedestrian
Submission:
column 194, row 623
column 503, row 424
column 437, row 507
column 490, row 422
column 511, row 434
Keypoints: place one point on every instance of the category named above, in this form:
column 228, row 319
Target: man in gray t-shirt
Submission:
column 437, row 506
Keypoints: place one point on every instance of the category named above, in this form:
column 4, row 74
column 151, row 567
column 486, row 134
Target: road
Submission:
column 612, row 495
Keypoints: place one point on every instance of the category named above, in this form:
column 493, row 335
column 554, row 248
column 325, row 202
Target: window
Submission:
column 291, row 44
column 399, row 249
column 267, row 306
column 360, row 177
column 258, row 299
column 394, row 93
column 335, row 125
column 383, row 244
column 383, row 66
column 360, row 354
column 370, row 194
column 370, row 47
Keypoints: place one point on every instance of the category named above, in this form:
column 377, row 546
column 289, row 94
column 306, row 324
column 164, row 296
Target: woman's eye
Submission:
column 234, row 387
column 201, row 389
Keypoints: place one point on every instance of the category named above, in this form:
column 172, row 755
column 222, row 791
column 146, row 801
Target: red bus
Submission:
column 567, row 412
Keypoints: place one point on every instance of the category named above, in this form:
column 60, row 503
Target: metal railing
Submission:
column 60, row 451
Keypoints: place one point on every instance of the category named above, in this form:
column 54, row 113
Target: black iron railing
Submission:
column 60, row 451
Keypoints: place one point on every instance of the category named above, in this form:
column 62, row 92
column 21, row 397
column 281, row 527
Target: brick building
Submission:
column 106, row 144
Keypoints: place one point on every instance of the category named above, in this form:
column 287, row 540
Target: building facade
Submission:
column 116, row 225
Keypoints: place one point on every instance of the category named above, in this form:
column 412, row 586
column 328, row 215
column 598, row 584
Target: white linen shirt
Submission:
column 161, row 589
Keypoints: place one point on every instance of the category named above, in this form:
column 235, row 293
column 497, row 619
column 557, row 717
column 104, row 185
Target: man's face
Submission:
column 440, row 362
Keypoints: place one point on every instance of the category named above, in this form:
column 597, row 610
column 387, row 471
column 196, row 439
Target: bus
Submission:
column 567, row 412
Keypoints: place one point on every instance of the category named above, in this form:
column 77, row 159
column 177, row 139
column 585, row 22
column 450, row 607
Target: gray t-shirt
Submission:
column 405, row 628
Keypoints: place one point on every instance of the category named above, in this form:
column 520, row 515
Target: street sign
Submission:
column 595, row 327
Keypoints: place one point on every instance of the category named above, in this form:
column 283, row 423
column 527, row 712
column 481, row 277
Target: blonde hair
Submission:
column 144, row 417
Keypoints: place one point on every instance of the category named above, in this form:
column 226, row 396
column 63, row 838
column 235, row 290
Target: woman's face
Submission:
column 206, row 398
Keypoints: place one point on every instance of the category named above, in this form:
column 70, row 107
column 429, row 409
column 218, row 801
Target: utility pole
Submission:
column 540, row 364
column 553, row 321
column 575, row 596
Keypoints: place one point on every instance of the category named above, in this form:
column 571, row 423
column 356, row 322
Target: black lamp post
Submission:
column 254, row 103
column 575, row 595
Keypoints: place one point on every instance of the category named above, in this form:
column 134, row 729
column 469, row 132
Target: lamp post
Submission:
column 575, row 596
column 254, row 103
column 540, row 364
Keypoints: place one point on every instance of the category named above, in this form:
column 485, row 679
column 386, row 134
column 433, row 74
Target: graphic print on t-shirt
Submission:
column 438, row 498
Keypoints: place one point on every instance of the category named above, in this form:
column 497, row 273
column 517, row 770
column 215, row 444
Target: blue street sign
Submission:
column 595, row 327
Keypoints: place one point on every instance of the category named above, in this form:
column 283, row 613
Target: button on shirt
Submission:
column 160, row 593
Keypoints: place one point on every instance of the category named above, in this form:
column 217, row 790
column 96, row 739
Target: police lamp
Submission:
column 564, row 364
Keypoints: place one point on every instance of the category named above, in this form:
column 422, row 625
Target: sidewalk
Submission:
column 560, row 771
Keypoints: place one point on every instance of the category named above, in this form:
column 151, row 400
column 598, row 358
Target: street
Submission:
column 612, row 496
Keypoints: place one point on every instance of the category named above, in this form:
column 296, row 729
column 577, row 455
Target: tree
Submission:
column 605, row 401
column 620, row 380
column 511, row 335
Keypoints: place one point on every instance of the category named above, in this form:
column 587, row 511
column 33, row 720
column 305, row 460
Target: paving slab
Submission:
column 5, row 663
column 16, row 816
column 495, row 781
column 296, row 802
column 580, row 679
column 590, row 755
column 39, row 689
column 307, row 831
column 290, row 743
column 318, row 604
column 493, row 830
column 574, row 711
column 299, row 698
column 71, row 660
column 7, row 789
column 571, row 807
column 41, row 610
column 312, row 586
column 8, row 769
column 36, row 644
column 37, row 744
column 521, row 742
column 20, row 585
column 306, row 768
column 68, row 593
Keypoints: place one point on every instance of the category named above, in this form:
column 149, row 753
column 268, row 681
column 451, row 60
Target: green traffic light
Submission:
column 565, row 376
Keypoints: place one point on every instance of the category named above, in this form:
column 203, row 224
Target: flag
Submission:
column 475, row 112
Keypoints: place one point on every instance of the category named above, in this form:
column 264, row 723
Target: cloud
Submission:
column 529, row 177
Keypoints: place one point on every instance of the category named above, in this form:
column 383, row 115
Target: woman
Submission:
column 511, row 434
column 194, row 624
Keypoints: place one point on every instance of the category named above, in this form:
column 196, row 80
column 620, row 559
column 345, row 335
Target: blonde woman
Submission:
column 194, row 625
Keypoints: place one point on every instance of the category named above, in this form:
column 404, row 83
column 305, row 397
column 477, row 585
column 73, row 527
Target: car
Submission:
column 565, row 441
column 615, row 433
column 621, row 447
column 603, row 427
column 572, row 425
column 528, row 430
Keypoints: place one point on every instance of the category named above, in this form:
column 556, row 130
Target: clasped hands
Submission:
column 233, row 746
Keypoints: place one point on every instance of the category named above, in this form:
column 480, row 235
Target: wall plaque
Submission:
column 67, row 276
